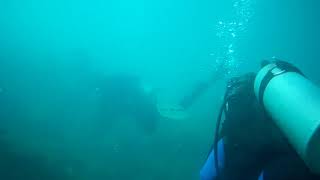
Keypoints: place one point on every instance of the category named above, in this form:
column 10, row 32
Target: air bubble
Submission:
column 229, row 31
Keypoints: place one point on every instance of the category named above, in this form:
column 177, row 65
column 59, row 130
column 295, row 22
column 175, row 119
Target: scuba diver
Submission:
column 124, row 96
column 270, row 130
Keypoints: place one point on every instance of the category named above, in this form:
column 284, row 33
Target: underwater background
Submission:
column 53, row 54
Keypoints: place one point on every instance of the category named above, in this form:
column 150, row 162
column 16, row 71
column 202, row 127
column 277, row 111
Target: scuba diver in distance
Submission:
column 124, row 96
column 270, row 127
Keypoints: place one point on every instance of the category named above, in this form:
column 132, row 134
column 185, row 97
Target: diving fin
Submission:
column 171, row 111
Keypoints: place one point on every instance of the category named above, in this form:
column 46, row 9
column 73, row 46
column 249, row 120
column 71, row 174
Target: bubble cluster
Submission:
column 230, row 31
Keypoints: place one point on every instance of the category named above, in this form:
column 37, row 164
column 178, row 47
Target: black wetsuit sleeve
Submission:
column 188, row 100
column 201, row 88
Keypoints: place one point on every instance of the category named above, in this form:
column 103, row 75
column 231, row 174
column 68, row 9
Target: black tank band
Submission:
column 284, row 67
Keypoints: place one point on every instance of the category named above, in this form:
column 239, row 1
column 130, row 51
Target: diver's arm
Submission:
column 209, row 169
column 188, row 100
column 200, row 89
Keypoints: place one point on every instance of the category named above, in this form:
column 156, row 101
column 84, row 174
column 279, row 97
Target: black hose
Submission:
column 216, row 138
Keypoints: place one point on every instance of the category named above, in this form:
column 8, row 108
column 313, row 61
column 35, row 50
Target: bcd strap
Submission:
column 283, row 67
